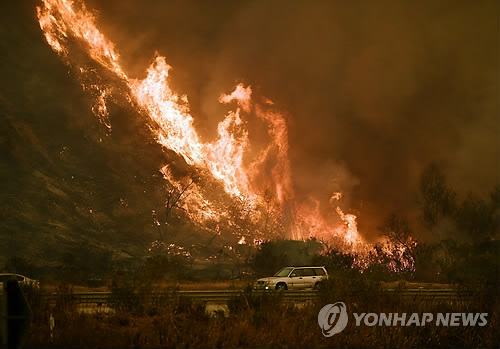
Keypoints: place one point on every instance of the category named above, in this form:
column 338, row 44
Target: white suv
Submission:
column 293, row 278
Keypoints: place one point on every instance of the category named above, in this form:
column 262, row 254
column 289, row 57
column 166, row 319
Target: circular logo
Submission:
column 332, row 318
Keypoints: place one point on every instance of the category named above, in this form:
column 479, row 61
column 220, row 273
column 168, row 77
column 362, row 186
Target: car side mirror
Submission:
column 293, row 275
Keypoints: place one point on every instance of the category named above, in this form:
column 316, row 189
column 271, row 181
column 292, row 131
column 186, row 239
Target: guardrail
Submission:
column 223, row 296
column 219, row 296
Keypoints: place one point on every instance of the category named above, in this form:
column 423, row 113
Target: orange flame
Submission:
column 169, row 111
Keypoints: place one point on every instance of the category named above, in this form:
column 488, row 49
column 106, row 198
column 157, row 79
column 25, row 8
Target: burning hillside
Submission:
column 232, row 185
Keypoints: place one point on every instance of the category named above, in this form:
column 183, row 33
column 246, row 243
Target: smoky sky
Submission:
column 373, row 91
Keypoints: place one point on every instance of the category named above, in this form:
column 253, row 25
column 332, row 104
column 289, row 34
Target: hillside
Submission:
column 68, row 181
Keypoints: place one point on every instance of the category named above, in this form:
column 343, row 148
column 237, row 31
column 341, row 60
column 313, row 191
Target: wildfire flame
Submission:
column 66, row 22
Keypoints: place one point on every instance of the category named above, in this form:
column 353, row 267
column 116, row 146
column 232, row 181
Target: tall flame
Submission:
column 169, row 111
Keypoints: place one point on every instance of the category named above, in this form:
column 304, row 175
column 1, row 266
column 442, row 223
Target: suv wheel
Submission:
column 281, row 286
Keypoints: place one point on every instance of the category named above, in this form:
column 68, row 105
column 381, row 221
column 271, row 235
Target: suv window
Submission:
column 283, row 272
column 297, row 272
column 319, row 271
column 308, row 272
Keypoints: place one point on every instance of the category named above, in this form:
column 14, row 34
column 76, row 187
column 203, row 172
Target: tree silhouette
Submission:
column 175, row 199
column 438, row 200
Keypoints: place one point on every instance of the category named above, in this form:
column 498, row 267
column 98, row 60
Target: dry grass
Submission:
column 260, row 322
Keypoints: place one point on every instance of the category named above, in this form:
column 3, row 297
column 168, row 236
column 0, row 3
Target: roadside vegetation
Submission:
column 141, row 322
column 463, row 253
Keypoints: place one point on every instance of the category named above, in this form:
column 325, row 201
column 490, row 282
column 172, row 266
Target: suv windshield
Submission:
column 283, row 272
